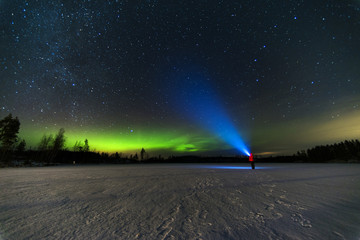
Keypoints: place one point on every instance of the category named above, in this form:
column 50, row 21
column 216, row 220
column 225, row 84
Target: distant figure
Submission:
column 251, row 160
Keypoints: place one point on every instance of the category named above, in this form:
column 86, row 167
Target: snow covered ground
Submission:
column 278, row 201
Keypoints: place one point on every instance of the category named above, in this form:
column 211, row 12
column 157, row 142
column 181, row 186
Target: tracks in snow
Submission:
column 189, row 214
column 278, row 204
column 273, row 208
column 212, row 203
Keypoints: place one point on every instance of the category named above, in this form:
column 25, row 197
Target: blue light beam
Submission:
column 200, row 103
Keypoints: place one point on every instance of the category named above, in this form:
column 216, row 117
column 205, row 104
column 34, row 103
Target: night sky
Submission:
column 281, row 75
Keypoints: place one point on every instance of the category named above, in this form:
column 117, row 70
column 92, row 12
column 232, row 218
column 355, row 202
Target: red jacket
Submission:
column 251, row 157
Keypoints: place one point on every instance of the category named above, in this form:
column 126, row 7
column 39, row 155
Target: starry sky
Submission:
column 130, row 74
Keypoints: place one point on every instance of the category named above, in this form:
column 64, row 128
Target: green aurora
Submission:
column 160, row 141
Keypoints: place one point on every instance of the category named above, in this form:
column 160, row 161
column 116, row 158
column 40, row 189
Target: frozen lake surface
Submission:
column 178, row 201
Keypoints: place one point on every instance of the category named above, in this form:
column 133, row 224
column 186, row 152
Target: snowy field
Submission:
column 276, row 201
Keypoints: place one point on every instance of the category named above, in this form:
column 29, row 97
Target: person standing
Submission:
column 251, row 160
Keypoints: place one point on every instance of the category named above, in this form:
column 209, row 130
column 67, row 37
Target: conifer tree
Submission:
column 9, row 129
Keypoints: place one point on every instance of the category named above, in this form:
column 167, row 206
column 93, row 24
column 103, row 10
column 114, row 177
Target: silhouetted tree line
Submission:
column 51, row 151
column 50, row 147
column 9, row 129
column 343, row 151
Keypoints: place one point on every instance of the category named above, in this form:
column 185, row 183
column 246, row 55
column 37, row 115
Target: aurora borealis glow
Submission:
column 159, row 141
column 187, row 77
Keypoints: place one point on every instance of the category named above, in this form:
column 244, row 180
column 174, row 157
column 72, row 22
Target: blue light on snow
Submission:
column 224, row 167
column 228, row 167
